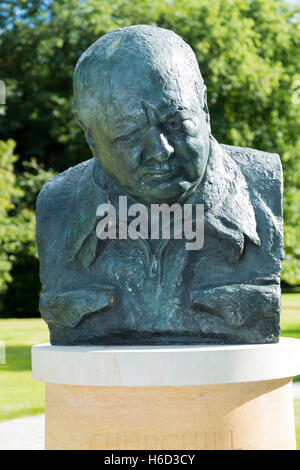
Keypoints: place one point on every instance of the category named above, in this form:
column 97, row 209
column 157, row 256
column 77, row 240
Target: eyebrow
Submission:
column 173, row 112
column 126, row 125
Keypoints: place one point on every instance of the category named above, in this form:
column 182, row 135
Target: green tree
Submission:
column 19, row 281
column 248, row 52
column 9, row 225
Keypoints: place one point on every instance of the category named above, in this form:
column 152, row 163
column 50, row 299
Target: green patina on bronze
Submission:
column 141, row 101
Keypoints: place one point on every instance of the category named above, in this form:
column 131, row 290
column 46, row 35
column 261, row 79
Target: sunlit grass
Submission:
column 20, row 395
column 290, row 316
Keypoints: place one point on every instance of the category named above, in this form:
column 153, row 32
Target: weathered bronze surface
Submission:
column 141, row 101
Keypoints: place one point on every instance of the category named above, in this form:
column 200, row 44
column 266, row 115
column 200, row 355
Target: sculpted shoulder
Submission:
column 60, row 189
column 55, row 205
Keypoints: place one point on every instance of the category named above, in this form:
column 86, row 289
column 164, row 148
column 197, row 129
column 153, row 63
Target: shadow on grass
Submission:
column 18, row 358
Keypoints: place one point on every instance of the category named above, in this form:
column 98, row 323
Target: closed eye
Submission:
column 125, row 137
column 174, row 124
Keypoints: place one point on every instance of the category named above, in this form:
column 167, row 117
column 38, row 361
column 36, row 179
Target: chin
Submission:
column 167, row 195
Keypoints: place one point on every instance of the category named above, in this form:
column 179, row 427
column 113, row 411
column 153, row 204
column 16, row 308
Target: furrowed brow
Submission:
column 124, row 127
column 172, row 113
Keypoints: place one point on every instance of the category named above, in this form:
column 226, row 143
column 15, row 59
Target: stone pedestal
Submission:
column 183, row 397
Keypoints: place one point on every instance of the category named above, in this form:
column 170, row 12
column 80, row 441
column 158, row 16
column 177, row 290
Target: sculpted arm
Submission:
column 65, row 299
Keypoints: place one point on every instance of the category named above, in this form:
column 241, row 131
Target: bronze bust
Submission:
column 141, row 102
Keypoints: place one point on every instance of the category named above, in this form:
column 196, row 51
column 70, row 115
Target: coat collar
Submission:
column 225, row 195
column 223, row 191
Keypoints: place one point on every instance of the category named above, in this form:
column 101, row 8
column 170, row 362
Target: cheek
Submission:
column 194, row 143
column 193, row 152
column 192, row 148
column 131, row 157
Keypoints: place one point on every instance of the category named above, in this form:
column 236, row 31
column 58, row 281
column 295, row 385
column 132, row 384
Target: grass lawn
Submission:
column 20, row 395
column 290, row 315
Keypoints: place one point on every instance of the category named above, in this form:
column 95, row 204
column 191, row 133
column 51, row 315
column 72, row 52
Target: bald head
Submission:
column 130, row 65
column 140, row 98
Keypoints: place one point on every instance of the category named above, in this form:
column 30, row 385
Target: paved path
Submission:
column 22, row 433
column 28, row 433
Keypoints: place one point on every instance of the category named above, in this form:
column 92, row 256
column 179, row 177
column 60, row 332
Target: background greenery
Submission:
column 249, row 55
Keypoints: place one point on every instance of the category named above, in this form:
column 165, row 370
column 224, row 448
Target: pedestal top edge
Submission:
column 165, row 365
column 115, row 349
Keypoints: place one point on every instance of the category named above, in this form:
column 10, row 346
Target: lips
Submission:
column 162, row 174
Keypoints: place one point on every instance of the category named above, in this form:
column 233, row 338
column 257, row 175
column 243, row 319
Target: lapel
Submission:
column 227, row 206
column 81, row 240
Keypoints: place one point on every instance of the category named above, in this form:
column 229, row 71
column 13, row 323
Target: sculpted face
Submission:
column 151, row 134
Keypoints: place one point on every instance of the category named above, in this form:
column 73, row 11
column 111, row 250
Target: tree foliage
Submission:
column 248, row 52
column 18, row 253
column 9, row 225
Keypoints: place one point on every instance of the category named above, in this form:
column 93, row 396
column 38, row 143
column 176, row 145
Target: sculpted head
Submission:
column 141, row 101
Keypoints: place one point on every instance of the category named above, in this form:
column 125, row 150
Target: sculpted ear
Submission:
column 205, row 107
column 88, row 134
column 91, row 142
column 78, row 120
column 90, row 139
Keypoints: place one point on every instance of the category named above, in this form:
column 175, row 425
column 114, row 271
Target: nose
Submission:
column 159, row 148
